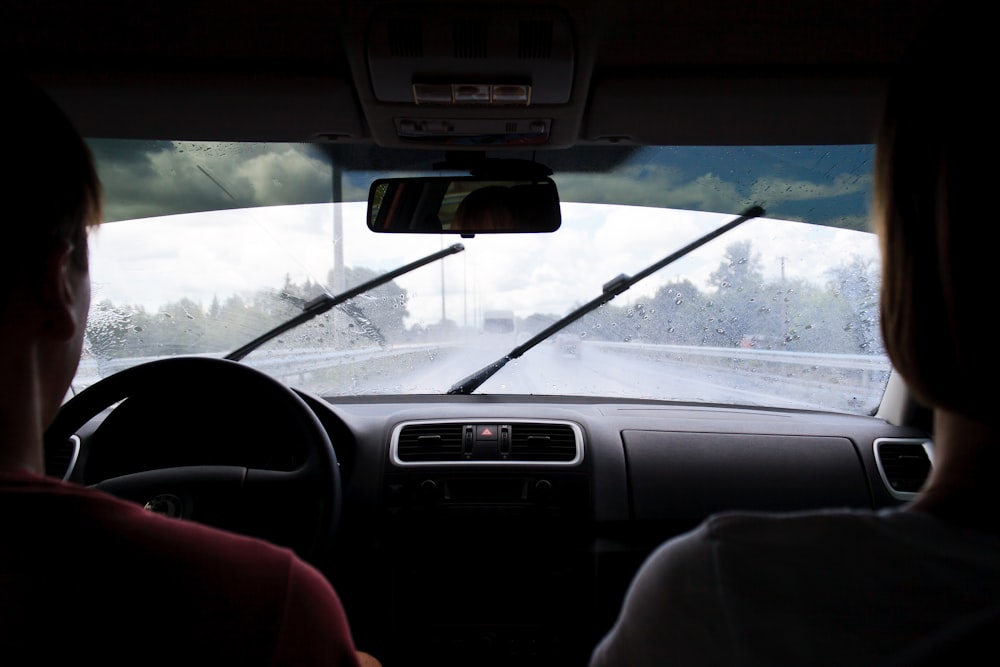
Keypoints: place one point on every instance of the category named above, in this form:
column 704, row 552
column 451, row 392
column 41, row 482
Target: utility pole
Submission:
column 339, row 277
column 442, row 283
column 338, row 231
column 784, row 297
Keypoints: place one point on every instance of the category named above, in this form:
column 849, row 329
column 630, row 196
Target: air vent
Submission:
column 534, row 39
column 405, row 39
column 470, row 39
column 543, row 442
column 489, row 441
column 430, row 442
column 903, row 464
column 60, row 458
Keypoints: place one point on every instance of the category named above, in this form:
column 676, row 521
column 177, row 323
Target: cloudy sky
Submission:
column 155, row 261
column 158, row 251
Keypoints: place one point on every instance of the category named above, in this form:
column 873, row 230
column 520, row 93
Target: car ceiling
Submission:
column 725, row 72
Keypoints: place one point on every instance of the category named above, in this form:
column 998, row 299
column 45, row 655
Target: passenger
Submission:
column 888, row 587
column 486, row 209
column 86, row 577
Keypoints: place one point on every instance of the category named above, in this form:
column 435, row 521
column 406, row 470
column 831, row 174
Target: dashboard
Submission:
column 488, row 529
column 480, row 526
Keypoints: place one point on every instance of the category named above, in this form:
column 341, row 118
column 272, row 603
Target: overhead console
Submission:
column 469, row 77
column 471, row 56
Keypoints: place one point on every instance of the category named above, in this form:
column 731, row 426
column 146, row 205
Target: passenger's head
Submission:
column 935, row 213
column 488, row 208
column 52, row 192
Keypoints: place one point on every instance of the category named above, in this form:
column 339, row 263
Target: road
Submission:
column 712, row 375
column 609, row 371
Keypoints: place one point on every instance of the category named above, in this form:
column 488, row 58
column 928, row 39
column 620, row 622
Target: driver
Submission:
column 487, row 209
column 84, row 574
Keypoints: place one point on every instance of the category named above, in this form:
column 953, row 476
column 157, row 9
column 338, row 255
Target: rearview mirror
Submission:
column 465, row 205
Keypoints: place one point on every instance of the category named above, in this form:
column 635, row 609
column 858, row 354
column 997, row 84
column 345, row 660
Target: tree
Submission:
column 112, row 330
column 676, row 314
column 378, row 314
column 738, row 308
column 857, row 284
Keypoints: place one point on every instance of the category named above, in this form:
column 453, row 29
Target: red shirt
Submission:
column 84, row 575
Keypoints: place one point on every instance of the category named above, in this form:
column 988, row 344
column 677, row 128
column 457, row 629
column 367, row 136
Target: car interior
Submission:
column 493, row 511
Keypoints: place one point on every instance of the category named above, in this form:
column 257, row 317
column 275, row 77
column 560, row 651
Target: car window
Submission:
column 210, row 245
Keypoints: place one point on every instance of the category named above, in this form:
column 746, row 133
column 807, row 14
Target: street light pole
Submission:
column 339, row 278
column 442, row 285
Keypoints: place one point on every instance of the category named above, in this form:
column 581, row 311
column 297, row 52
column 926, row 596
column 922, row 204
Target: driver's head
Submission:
column 52, row 191
column 52, row 195
column 486, row 209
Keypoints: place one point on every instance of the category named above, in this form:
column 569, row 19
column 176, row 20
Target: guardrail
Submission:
column 687, row 353
column 289, row 365
column 297, row 364
column 853, row 376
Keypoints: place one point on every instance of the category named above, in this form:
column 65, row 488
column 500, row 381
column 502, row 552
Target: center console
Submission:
column 487, row 523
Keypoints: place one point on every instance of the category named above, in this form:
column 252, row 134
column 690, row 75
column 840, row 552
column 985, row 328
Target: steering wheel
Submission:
column 291, row 500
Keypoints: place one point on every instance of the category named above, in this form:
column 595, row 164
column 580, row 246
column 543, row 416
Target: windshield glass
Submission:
column 208, row 246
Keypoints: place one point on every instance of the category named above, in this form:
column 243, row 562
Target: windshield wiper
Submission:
column 610, row 290
column 325, row 302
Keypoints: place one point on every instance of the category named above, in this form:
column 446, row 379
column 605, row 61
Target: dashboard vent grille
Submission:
column 903, row 465
column 61, row 457
column 535, row 39
column 488, row 441
column 405, row 38
column 542, row 442
column 430, row 442
column 470, row 39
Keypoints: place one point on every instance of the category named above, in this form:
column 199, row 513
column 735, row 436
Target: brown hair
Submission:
column 932, row 211
column 488, row 208
column 52, row 190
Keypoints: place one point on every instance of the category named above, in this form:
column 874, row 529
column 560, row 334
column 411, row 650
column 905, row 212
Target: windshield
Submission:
column 208, row 246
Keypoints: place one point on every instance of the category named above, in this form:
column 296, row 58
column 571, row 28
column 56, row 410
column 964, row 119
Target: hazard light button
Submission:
column 487, row 432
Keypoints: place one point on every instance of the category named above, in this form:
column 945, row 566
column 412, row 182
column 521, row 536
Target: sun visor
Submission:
column 779, row 110
column 173, row 106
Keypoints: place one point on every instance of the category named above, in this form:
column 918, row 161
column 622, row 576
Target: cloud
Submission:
column 154, row 261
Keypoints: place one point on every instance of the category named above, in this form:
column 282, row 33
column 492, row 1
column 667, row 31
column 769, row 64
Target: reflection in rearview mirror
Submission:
column 463, row 205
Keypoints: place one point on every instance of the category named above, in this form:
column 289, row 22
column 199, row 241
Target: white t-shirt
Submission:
column 839, row 588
